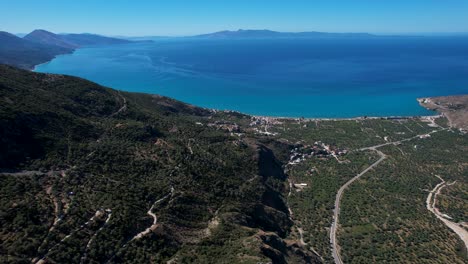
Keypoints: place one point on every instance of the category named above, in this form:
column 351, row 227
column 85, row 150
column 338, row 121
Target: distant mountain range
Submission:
column 27, row 50
column 71, row 40
column 87, row 39
column 25, row 54
column 40, row 46
column 49, row 38
column 241, row 33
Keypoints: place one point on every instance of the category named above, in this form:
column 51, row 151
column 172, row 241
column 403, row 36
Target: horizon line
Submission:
column 423, row 33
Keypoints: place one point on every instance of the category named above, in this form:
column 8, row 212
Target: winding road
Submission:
column 334, row 227
column 147, row 230
column 336, row 211
column 431, row 206
column 153, row 215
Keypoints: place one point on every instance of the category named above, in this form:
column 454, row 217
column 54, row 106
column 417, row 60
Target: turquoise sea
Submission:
column 339, row 77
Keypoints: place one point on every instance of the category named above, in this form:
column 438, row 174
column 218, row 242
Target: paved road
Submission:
column 334, row 227
column 336, row 212
column 400, row 141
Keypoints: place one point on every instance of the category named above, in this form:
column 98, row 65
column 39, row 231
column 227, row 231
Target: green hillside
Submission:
column 83, row 164
column 26, row 54
column 90, row 174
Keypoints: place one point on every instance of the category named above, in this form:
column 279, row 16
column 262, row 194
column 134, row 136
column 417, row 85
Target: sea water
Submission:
column 339, row 77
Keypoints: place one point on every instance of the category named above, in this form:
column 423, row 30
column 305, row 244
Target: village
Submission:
column 319, row 149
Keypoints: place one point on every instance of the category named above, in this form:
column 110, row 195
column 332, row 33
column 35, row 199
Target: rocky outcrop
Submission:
column 455, row 108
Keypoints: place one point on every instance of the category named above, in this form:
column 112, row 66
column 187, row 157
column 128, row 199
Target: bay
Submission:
column 328, row 78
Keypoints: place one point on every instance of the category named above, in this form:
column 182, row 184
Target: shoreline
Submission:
column 309, row 119
column 33, row 68
column 436, row 114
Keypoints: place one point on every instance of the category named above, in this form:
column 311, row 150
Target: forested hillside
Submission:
column 91, row 174
column 41, row 46
column 25, row 54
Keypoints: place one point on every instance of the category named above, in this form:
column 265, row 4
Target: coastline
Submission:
column 348, row 118
column 436, row 114
column 307, row 119
column 436, row 111
column 33, row 68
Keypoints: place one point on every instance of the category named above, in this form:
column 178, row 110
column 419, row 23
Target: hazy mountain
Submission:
column 24, row 53
column 274, row 34
column 91, row 39
column 40, row 46
column 72, row 40
column 49, row 38
column 241, row 33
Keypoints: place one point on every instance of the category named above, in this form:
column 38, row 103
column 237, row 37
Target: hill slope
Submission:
column 41, row 46
column 24, row 53
column 92, row 39
column 49, row 38
column 71, row 40
column 91, row 174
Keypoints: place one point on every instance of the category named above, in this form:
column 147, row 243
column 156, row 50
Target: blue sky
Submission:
column 177, row 17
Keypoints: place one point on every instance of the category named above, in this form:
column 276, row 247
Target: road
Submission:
column 147, row 230
column 42, row 260
column 431, row 206
column 153, row 215
column 335, row 223
column 90, row 241
column 23, row 173
column 122, row 108
column 336, row 212
column 400, row 141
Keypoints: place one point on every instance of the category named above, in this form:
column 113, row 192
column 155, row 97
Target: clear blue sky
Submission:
column 177, row 17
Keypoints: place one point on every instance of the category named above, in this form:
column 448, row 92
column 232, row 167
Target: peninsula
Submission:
column 41, row 46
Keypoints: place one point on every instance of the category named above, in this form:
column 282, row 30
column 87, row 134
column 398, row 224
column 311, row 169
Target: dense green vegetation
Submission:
column 386, row 204
column 384, row 215
column 453, row 200
column 351, row 134
column 313, row 205
column 83, row 168
column 24, row 53
column 80, row 153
